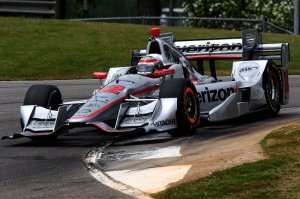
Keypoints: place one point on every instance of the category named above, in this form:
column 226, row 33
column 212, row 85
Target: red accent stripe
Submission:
column 115, row 102
column 196, row 80
column 101, row 90
column 196, row 57
column 148, row 60
column 162, row 72
column 236, row 89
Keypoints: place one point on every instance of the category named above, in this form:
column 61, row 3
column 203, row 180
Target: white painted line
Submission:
column 151, row 180
column 139, row 183
column 90, row 163
column 173, row 151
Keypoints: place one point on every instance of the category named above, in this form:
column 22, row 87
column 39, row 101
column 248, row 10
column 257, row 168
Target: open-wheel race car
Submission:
column 163, row 91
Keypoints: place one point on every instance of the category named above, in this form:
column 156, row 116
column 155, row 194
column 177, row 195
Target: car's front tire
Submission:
column 47, row 96
column 188, row 107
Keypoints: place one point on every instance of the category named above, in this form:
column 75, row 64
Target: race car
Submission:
column 162, row 91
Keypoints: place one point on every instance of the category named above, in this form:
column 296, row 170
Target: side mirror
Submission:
column 99, row 75
column 163, row 72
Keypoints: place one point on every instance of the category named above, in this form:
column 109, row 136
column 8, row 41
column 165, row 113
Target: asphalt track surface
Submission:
column 47, row 170
column 56, row 170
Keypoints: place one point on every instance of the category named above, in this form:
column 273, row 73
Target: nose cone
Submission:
column 101, row 107
column 91, row 111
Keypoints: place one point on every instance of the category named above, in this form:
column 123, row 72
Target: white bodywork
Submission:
column 131, row 101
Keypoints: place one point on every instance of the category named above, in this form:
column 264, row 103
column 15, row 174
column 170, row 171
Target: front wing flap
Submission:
column 158, row 115
column 39, row 121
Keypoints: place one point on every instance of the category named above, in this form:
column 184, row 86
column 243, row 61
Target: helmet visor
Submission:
column 145, row 69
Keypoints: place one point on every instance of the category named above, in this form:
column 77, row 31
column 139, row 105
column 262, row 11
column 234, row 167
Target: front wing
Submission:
column 134, row 115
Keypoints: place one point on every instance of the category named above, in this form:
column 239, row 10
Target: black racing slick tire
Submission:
column 188, row 107
column 272, row 85
column 47, row 96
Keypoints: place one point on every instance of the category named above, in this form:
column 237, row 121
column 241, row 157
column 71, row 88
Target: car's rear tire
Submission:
column 273, row 88
column 47, row 96
column 188, row 107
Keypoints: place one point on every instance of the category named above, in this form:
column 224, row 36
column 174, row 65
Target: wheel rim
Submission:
column 272, row 90
column 190, row 106
column 54, row 100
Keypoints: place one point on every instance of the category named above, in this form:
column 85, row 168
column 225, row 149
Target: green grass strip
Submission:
column 32, row 49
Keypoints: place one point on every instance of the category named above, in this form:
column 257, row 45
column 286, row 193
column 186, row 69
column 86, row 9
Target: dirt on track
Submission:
column 214, row 156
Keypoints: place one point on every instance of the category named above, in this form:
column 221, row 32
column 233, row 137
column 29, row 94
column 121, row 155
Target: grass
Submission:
column 33, row 49
column 276, row 177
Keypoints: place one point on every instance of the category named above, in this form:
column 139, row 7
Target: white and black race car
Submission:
column 162, row 91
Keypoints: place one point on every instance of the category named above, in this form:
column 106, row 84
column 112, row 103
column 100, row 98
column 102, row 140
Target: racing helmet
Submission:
column 148, row 64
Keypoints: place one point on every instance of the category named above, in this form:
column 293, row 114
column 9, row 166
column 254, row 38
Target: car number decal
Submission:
column 114, row 89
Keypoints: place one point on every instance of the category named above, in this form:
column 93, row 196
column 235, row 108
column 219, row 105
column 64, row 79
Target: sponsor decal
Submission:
column 126, row 80
column 119, row 73
column 166, row 122
column 136, row 120
column 208, row 47
column 102, row 96
column 116, row 76
column 43, row 124
column 93, row 105
column 214, row 95
column 248, row 70
column 84, row 111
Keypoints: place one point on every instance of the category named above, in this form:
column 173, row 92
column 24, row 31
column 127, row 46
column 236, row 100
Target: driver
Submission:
column 150, row 63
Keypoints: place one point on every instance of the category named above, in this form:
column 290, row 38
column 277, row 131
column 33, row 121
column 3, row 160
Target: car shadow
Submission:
column 239, row 126
column 90, row 137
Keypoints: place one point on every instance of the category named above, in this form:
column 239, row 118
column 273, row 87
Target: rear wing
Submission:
column 211, row 49
column 249, row 47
